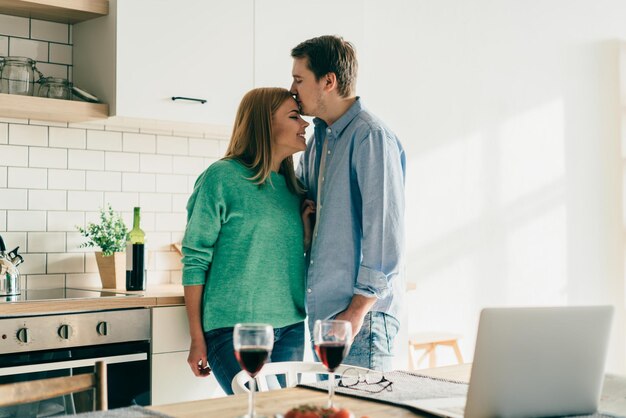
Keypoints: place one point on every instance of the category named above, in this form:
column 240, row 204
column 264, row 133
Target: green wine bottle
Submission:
column 135, row 256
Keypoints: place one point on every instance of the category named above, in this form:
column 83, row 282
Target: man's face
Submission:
column 308, row 90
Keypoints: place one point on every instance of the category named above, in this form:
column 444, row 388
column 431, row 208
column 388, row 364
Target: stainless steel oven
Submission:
column 34, row 347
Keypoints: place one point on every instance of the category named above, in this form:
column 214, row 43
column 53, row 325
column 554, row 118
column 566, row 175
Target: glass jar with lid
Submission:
column 17, row 75
column 55, row 88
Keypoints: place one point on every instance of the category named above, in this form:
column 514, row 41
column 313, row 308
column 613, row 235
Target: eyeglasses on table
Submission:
column 372, row 381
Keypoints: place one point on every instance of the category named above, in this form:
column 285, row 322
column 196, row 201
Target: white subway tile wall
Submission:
column 15, row 26
column 17, row 239
column 28, row 135
column 35, row 50
column 47, row 200
column 133, row 142
column 56, row 176
column 13, row 198
column 48, row 43
column 4, row 46
column 53, row 178
column 14, row 156
column 67, row 138
column 3, row 176
column 44, row 123
column 49, row 31
column 47, row 157
column 61, row 54
column 66, row 179
column 27, row 178
column 104, row 140
column 4, row 133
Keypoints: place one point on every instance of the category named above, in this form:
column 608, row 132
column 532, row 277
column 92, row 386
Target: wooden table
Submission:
column 280, row 401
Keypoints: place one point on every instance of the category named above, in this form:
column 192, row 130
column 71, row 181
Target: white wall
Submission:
column 509, row 113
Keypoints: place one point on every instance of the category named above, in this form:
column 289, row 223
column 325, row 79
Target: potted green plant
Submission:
column 110, row 235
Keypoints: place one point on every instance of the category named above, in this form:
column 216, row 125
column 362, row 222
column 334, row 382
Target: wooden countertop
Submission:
column 158, row 295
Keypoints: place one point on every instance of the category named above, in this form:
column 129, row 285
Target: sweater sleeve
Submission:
column 205, row 211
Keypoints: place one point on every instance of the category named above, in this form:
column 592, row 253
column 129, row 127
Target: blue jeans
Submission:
column 373, row 346
column 288, row 346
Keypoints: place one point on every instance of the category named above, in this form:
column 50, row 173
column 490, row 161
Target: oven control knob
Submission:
column 102, row 328
column 23, row 335
column 65, row 331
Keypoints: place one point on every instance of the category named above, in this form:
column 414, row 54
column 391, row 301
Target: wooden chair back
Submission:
column 37, row 390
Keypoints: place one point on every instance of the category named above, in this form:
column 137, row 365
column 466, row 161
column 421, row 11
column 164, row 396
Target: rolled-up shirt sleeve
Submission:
column 205, row 210
column 380, row 168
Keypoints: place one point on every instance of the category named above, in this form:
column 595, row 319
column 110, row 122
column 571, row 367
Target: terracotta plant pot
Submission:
column 112, row 270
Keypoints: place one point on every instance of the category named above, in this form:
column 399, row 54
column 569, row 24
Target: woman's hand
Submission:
column 197, row 352
column 197, row 359
column 307, row 209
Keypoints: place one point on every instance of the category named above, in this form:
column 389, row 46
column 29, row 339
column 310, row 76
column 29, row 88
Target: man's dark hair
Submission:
column 330, row 54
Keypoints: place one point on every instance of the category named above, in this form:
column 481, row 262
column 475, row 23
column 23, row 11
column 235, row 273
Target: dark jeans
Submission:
column 288, row 346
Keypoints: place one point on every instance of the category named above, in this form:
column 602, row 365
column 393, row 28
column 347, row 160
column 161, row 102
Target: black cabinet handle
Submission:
column 203, row 101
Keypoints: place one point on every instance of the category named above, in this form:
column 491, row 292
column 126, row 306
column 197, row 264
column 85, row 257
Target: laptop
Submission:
column 533, row 362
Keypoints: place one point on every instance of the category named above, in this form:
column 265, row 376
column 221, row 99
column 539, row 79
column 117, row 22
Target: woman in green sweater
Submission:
column 243, row 249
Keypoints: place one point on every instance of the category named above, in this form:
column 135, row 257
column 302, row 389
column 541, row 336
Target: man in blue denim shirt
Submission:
column 353, row 169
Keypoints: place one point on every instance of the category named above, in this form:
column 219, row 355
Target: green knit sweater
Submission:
column 244, row 243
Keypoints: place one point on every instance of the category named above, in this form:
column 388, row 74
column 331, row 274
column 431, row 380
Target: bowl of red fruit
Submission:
column 312, row 411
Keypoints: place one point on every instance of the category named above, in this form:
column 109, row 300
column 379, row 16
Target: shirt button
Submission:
column 323, row 178
column 328, row 151
column 311, row 261
column 328, row 130
column 309, row 290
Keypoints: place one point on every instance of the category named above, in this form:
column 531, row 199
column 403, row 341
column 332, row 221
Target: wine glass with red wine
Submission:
column 332, row 340
column 253, row 345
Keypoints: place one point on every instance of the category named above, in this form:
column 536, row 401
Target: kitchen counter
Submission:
column 158, row 295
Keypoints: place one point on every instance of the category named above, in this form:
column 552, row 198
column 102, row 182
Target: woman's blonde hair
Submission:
column 251, row 142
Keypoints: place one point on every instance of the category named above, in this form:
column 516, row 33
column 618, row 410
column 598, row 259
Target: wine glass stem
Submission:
column 331, row 389
column 251, row 398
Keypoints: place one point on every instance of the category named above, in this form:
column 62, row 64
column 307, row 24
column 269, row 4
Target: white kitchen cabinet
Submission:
column 280, row 25
column 147, row 51
column 170, row 329
column 172, row 380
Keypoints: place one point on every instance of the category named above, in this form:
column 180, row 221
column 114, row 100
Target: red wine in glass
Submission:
column 332, row 339
column 331, row 354
column 252, row 359
column 253, row 344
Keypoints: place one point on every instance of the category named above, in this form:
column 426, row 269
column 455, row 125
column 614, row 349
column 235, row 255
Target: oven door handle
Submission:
column 70, row 364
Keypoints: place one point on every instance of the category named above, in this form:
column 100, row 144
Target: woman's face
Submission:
column 288, row 129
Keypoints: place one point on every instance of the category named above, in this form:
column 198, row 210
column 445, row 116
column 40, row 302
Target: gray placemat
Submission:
column 408, row 386
column 127, row 412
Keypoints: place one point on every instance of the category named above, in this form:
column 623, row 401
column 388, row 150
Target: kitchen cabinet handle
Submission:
column 203, row 101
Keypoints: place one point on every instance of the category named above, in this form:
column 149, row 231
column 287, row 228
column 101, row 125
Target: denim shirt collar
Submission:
column 345, row 119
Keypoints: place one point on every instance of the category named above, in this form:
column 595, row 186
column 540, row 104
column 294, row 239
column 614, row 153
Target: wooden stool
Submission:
column 429, row 341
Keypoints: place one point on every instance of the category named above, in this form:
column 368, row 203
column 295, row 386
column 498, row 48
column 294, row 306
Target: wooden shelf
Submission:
column 41, row 108
column 63, row 11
